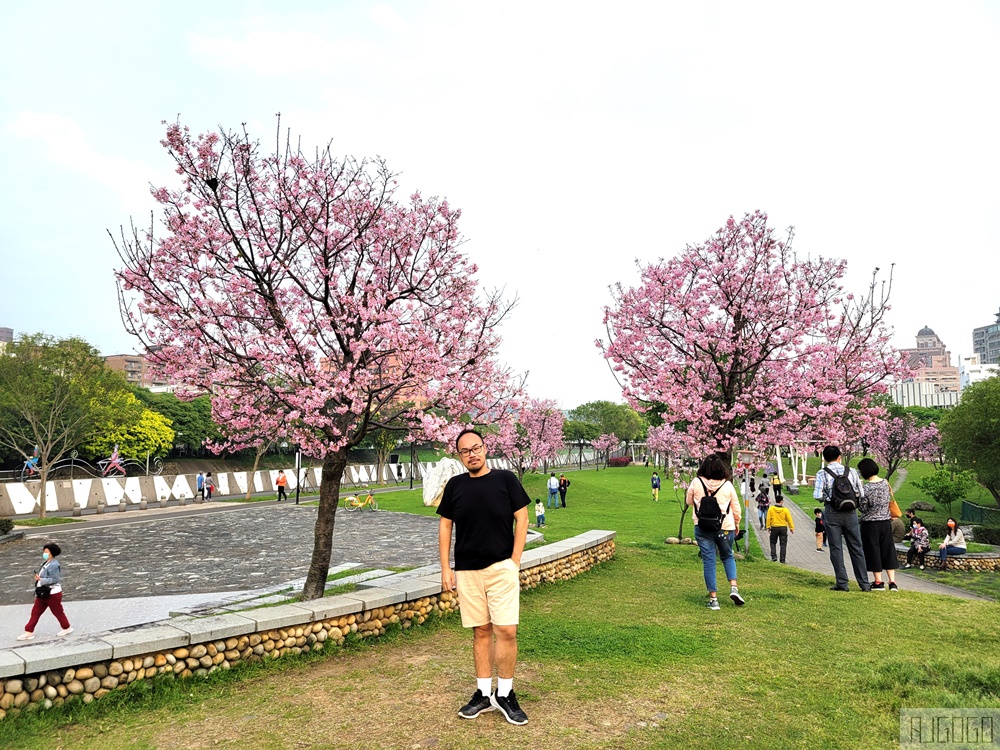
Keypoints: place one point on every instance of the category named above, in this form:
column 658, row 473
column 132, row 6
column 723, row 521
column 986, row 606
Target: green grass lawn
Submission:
column 625, row 656
column 47, row 521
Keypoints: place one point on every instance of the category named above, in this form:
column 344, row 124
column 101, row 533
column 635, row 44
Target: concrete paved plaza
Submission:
column 230, row 549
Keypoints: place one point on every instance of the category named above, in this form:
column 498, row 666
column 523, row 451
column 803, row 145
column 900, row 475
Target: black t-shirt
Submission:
column 482, row 509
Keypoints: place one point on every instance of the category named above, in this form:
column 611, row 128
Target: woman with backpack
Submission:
column 716, row 518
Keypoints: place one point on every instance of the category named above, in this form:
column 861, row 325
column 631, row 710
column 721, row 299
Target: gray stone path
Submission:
column 802, row 553
column 247, row 548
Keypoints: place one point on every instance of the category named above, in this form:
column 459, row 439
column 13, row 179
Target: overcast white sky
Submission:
column 576, row 137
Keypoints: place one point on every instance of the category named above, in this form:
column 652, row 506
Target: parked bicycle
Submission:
column 353, row 502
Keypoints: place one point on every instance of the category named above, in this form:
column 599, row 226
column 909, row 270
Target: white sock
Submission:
column 485, row 685
column 504, row 686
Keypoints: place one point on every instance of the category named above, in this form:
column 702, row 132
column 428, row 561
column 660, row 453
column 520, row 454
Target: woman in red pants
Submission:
column 48, row 593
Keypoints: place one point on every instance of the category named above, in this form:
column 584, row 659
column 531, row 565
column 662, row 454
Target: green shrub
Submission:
column 986, row 534
column 6, row 526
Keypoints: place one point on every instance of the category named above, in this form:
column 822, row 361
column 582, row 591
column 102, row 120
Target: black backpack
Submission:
column 710, row 514
column 843, row 497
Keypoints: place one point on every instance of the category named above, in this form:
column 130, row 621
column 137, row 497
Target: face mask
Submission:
column 45, row 555
column 951, row 525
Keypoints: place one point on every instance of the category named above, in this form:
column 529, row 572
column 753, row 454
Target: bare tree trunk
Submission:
column 684, row 510
column 329, row 495
column 43, row 476
column 261, row 449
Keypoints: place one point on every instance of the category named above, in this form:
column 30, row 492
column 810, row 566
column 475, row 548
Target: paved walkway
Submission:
column 229, row 549
column 97, row 615
column 802, row 553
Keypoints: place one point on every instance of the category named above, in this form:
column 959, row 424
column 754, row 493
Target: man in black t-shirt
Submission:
column 483, row 507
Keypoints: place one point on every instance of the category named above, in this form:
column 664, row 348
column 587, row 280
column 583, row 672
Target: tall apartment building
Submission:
column 138, row 371
column 6, row 335
column 986, row 342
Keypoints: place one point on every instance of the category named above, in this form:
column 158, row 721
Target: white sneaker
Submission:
column 65, row 631
column 26, row 636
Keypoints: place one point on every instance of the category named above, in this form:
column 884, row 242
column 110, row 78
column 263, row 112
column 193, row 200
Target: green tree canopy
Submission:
column 608, row 417
column 191, row 420
column 55, row 394
column 136, row 430
column 970, row 433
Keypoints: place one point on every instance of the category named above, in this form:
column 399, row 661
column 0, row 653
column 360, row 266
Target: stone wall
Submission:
column 43, row 675
column 971, row 561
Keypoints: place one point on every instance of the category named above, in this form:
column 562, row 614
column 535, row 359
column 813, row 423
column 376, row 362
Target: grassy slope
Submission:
column 628, row 643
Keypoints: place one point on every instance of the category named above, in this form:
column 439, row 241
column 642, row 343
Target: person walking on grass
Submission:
column 820, row 529
column 920, row 543
column 553, row 485
column 655, row 482
column 563, row 488
column 840, row 506
column 488, row 511
column 48, row 594
column 780, row 524
column 716, row 518
column 876, row 526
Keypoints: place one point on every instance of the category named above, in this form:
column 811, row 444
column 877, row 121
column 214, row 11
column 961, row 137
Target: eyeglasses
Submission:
column 473, row 451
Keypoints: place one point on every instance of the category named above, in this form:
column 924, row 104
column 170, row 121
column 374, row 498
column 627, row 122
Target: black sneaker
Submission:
column 509, row 708
column 477, row 705
column 893, row 587
column 878, row 586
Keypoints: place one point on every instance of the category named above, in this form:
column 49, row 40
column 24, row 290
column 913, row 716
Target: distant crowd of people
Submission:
column 859, row 513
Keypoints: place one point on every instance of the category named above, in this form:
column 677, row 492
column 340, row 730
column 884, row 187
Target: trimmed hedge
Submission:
column 6, row 526
column 619, row 461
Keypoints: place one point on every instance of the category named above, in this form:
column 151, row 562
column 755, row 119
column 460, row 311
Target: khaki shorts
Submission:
column 490, row 595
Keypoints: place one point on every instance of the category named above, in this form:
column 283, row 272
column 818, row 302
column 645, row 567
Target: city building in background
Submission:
column 921, row 394
column 986, row 342
column 975, row 371
column 6, row 337
column 935, row 381
column 138, row 371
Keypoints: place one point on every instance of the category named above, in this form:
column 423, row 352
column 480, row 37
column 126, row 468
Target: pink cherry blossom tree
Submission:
column 304, row 293
column 897, row 441
column 531, row 434
column 604, row 444
column 663, row 440
column 742, row 344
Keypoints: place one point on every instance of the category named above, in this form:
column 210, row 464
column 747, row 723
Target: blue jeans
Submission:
column 708, row 544
column 949, row 550
column 761, row 516
column 553, row 501
column 540, row 519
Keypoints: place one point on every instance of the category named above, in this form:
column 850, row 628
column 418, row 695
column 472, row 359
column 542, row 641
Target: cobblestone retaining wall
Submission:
column 49, row 674
column 972, row 561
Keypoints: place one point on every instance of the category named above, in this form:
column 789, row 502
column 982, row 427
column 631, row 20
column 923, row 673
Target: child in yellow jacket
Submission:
column 779, row 522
